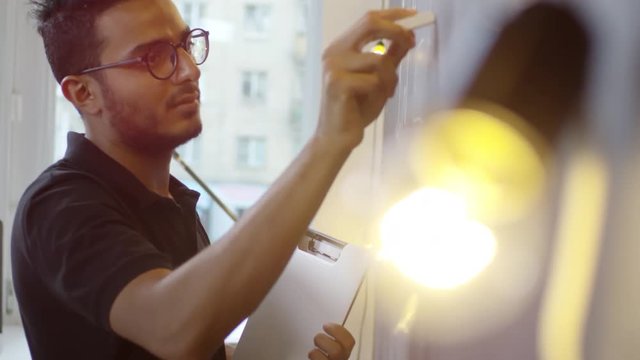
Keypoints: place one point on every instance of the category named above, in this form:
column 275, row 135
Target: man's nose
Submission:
column 187, row 69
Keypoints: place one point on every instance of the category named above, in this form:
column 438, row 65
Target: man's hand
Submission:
column 356, row 85
column 336, row 344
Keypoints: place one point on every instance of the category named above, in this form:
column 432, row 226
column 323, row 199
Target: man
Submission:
column 109, row 258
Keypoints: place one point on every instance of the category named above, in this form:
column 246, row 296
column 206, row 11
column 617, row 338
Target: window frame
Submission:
column 255, row 152
column 257, row 33
column 258, row 82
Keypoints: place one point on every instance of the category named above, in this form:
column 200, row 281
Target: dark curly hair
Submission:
column 68, row 31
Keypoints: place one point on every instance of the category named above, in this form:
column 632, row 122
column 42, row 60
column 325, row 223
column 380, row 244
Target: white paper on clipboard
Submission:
column 311, row 291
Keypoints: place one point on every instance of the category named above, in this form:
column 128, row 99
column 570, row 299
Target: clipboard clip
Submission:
column 322, row 245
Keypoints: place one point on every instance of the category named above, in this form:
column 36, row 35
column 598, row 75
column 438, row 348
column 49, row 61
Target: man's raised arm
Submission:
column 186, row 313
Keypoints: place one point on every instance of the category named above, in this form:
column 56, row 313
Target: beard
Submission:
column 137, row 127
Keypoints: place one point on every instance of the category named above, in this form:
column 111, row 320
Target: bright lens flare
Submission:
column 429, row 237
column 491, row 157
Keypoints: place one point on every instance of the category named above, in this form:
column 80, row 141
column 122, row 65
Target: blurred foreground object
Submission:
column 495, row 154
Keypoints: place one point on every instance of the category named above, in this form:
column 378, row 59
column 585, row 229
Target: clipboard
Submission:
column 319, row 285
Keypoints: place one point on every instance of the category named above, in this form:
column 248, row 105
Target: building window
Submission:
column 254, row 86
column 257, row 20
column 193, row 12
column 191, row 151
column 252, row 152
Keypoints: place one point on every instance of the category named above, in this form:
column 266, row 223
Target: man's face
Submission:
column 145, row 113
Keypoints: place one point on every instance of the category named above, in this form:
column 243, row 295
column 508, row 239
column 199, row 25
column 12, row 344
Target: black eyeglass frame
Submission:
column 144, row 59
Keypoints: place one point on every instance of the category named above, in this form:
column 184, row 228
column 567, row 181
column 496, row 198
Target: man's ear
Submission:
column 83, row 92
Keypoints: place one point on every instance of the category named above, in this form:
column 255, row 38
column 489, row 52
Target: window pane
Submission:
column 254, row 86
column 252, row 152
column 257, row 18
column 253, row 124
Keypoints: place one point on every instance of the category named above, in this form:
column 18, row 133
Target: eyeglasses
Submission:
column 162, row 58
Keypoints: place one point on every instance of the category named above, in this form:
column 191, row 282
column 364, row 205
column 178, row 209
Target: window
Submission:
column 257, row 19
column 254, row 86
column 193, row 12
column 252, row 152
column 191, row 151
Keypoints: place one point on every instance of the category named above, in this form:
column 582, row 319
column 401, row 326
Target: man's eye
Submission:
column 152, row 57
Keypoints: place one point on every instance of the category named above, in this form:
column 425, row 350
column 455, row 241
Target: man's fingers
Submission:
column 356, row 85
column 355, row 62
column 374, row 25
column 398, row 50
column 329, row 346
column 316, row 354
column 336, row 344
column 345, row 55
column 368, row 64
column 341, row 334
column 396, row 13
column 342, row 85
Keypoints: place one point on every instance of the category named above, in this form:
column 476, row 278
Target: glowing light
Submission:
column 429, row 237
column 379, row 48
column 491, row 157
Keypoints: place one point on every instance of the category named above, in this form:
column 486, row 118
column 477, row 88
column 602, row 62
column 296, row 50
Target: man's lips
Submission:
column 189, row 94
column 187, row 99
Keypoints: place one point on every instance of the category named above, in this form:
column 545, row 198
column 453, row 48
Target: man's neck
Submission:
column 151, row 169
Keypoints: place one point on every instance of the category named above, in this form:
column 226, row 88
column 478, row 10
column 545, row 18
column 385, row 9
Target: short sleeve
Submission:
column 84, row 246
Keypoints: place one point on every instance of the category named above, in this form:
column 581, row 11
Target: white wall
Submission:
column 26, row 123
column 5, row 91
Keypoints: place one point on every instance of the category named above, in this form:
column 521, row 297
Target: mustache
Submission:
column 185, row 93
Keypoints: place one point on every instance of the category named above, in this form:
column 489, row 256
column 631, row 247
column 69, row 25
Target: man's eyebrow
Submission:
column 145, row 46
column 139, row 48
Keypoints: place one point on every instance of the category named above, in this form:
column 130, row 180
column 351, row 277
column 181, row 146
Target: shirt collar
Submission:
column 86, row 156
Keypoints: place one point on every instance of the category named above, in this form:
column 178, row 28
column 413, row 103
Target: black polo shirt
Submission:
column 83, row 230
